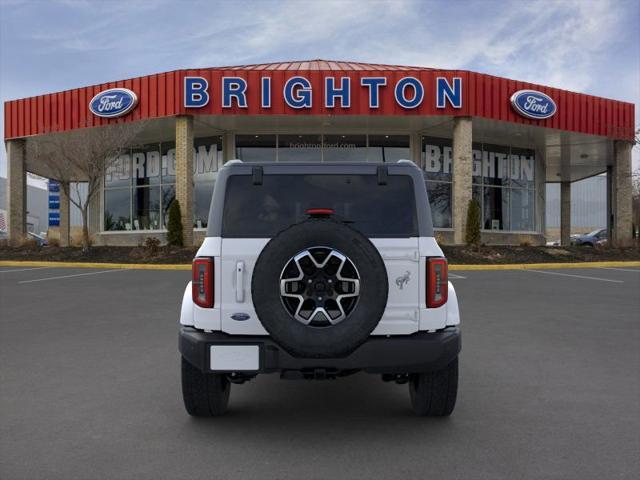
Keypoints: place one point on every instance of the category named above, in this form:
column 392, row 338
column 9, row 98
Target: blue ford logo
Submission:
column 114, row 102
column 533, row 104
column 240, row 317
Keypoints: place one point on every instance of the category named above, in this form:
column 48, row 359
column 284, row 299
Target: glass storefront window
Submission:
column 522, row 167
column 207, row 162
column 145, row 165
column 256, row 148
column 496, row 208
column 299, row 148
column 117, row 205
column 118, row 174
column 344, row 148
column 437, row 157
column 388, row 148
column 168, row 162
column 146, row 208
column 168, row 195
column 522, row 208
column 440, row 202
column 495, row 165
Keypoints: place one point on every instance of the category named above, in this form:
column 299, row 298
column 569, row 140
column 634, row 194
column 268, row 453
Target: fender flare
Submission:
column 453, row 312
column 186, row 311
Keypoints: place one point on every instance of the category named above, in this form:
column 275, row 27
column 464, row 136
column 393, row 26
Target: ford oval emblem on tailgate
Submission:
column 240, row 317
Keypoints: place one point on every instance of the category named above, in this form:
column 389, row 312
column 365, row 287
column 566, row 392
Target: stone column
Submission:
column 184, row 174
column 16, row 191
column 565, row 213
column 228, row 147
column 65, row 216
column 620, row 234
column 462, row 174
column 415, row 148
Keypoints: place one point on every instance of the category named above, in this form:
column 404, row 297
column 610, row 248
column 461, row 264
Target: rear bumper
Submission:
column 420, row 352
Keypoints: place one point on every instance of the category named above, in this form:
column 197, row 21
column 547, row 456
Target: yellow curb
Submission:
column 525, row 266
column 131, row 266
column 164, row 266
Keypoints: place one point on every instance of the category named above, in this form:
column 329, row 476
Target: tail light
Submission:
column 202, row 282
column 437, row 282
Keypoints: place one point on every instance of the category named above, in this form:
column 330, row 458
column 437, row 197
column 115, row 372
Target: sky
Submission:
column 590, row 46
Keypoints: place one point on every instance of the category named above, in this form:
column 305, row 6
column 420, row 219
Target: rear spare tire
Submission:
column 319, row 288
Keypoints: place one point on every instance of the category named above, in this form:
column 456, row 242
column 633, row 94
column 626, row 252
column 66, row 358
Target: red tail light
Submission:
column 437, row 282
column 202, row 282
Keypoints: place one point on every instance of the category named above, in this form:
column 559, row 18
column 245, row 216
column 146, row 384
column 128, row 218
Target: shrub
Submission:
column 152, row 245
column 54, row 242
column 472, row 234
column 174, row 226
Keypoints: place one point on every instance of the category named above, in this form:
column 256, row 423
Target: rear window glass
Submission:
column 264, row 210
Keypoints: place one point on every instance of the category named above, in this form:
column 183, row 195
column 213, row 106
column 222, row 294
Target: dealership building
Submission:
column 474, row 136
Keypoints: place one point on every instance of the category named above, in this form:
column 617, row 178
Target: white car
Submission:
column 315, row 271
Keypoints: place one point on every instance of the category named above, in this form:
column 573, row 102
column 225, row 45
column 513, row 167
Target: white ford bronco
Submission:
column 318, row 271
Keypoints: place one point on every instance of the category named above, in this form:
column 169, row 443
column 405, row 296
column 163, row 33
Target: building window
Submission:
column 117, row 209
column 322, row 148
column 140, row 185
column 503, row 183
column 256, row 148
column 299, row 148
column 344, row 148
column 207, row 162
column 437, row 163
column 388, row 148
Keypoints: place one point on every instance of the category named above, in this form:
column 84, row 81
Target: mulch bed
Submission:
column 458, row 255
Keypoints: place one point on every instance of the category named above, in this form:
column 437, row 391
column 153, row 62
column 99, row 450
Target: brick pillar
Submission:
column 565, row 213
column 184, row 174
column 621, row 185
column 462, row 174
column 65, row 216
column 16, row 191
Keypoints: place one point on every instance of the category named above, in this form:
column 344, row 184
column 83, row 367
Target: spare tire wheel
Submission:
column 319, row 288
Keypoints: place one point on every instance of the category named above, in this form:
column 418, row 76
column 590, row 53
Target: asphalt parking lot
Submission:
column 90, row 388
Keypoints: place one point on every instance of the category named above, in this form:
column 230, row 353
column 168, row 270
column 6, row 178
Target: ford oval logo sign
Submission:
column 114, row 102
column 533, row 104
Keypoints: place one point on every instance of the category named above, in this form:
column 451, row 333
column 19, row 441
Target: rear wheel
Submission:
column 204, row 394
column 433, row 394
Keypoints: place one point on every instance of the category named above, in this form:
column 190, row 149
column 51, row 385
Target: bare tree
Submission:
column 82, row 156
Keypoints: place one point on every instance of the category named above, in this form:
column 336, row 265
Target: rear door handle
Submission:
column 240, row 281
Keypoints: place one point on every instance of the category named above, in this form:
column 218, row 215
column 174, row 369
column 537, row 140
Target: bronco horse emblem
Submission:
column 402, row 280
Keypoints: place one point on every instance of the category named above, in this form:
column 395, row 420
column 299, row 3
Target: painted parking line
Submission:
column 637, row 270
column 585, row 277
column 69, row 276
column 24, row 269
column 456, row 277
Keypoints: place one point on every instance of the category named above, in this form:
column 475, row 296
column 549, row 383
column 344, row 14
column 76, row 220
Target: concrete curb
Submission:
column 151, row 266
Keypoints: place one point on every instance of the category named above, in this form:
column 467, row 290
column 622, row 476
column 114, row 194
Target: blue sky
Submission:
column 582, row 45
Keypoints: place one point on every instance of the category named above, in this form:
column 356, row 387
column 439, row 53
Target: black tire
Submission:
column 335, row 340
column 433, row 394
column 204, row 394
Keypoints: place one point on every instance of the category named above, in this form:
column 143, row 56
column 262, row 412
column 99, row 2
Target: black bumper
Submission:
column 419, row 352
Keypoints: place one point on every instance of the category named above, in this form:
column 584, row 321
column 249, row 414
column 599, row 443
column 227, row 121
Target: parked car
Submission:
column 317, row 271
column 590, row 239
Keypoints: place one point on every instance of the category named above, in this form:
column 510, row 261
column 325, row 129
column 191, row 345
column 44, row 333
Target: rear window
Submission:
column 281, row 200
